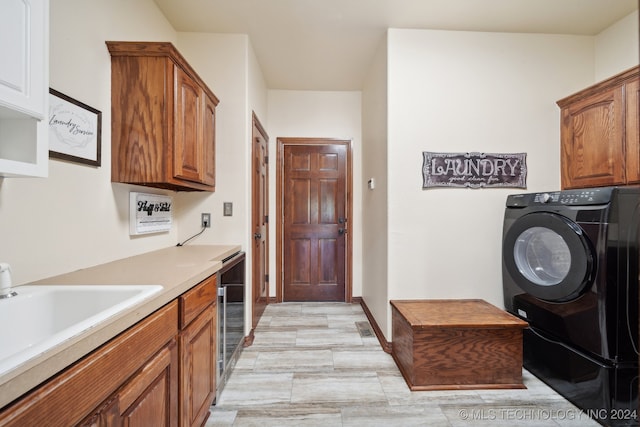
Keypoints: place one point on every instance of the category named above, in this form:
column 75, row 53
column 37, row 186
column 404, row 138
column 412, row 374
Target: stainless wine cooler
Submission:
column 231, row 295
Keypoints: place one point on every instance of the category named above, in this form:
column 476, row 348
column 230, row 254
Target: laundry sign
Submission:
column 149, row 213
column 474, row 170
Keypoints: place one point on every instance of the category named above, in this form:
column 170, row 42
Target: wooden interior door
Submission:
column 260, row 220
column 314, row 206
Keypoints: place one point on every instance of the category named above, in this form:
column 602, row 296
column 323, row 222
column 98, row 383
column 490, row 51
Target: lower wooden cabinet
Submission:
column 91, row 383
column 160, row 372
column 148, row 399
column 197, row 364
column 197, row 352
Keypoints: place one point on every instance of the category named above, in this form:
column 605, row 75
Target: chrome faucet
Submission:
column 5, row 281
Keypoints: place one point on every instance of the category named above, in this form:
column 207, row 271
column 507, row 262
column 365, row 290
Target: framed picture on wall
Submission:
column 74, row 130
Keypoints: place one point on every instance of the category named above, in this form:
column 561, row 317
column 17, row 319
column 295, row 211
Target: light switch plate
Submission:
column 371, row 183
column 228, row 209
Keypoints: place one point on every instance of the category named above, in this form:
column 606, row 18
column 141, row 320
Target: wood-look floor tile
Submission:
column 283, row 309
column 247, row 389
column 328, row 338
column 275, row 338
column 294, row 361
column 221, row 418
column 335, row 308
column 293, row 416
column 338, row 388
column 370, row 360
column 345, row 321
column 309, row 366
column 393, row 416
column 518, row 414
column 246, row 361
column 317, row 321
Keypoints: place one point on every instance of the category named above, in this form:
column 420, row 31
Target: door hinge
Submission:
column 266, row 278
column 266, row 160
column 266, row 219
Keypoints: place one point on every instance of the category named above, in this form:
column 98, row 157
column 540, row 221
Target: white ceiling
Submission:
column 329, row 44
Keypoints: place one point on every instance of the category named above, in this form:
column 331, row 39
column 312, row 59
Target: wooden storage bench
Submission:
column 456, row 344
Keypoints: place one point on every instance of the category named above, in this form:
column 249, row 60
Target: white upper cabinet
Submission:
column 24, row 87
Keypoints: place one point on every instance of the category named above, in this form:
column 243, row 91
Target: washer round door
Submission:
column 548, row 256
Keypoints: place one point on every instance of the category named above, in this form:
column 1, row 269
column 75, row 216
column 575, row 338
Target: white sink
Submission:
column 41, row 317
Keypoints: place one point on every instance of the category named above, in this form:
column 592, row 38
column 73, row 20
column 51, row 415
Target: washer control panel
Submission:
column 578, row 197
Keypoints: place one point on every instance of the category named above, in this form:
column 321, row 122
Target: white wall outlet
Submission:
column 206, row 220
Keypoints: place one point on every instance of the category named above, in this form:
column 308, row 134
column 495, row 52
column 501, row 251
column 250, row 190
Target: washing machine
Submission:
column 570, row 269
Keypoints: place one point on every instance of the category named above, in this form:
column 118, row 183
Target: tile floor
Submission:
column 310, row 366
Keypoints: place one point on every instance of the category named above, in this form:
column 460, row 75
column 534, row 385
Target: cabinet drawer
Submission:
column 193, row 302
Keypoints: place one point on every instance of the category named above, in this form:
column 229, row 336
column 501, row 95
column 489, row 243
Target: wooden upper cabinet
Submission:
column 209, row 141
column 163, row 119
column 187, row 155
column 633, row 131
column 599, row 134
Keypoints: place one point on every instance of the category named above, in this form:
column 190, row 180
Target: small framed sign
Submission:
column 474, row 170
column 74, row 130
column 149, row 213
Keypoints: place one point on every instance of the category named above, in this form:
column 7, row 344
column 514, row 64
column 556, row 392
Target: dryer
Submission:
column 570, row 268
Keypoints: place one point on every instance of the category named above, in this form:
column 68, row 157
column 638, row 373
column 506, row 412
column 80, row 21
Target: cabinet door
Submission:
column 209, row 142
column 198, row 376
column 23, row 69
column 150, row 398
column 187, row 156
column 632, row 128
column 593, row 141
column 105, row 416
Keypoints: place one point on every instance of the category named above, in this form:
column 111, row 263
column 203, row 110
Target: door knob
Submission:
column 257, row 236
column 341, row 231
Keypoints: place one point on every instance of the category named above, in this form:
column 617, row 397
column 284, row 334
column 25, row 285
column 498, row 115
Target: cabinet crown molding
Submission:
column 614, row 81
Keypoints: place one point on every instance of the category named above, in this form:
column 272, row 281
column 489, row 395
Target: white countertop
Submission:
column 177, row 269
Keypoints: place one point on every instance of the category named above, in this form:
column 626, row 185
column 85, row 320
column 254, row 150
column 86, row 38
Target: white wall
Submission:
column 257, row 89
column 616, row 48
column 76, row 218
column 323, row 115
column 227, row 63
column 374, row 201
column 461, row 92
column 221, row 61
column 502, row 88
